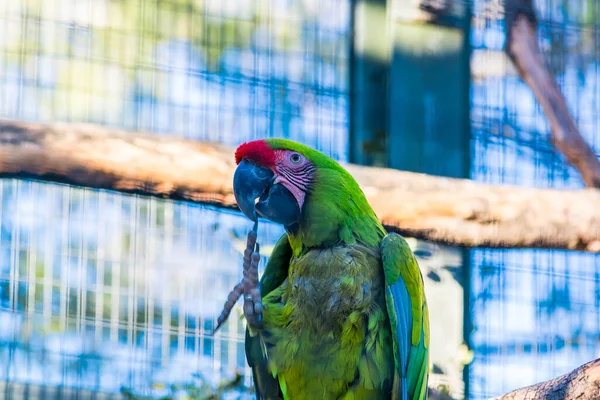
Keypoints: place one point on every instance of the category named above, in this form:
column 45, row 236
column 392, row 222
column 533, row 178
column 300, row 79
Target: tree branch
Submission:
column 581, row 384
column 522, row 47
column 452, row 211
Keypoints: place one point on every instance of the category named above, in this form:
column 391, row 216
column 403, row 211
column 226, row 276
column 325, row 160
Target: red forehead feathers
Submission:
column 257, row 151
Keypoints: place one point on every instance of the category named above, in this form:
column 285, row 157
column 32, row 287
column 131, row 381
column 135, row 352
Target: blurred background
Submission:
column 105, row 294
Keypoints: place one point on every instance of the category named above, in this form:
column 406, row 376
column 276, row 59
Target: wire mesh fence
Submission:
column 103, row 292
column 536, row 313
column 207, row 69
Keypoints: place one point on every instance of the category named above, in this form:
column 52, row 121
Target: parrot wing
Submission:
column 409, row 318
column 276, row 271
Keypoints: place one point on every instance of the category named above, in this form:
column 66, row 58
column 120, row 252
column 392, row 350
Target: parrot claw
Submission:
column 233, row 297
column 252, row 298
column 248, row 287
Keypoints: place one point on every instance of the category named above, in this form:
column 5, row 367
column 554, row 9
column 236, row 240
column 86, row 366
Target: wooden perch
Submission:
column 580, row 384
column 453, row 211
column 522, row 47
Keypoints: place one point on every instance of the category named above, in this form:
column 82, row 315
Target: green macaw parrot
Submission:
column 340, row 311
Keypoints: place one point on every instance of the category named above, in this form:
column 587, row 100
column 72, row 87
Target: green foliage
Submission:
column 110, row 50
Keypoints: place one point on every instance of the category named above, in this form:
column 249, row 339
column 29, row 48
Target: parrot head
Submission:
column 307, row 192
column 272, row 181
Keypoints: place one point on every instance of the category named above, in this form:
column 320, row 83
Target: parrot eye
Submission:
column 295, row 158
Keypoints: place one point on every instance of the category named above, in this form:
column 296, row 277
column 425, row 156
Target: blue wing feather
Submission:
column 401, row 301
column 404, row 295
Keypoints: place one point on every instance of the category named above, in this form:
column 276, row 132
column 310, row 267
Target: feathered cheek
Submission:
column 297, row 192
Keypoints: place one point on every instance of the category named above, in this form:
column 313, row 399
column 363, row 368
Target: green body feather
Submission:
column 344, row 314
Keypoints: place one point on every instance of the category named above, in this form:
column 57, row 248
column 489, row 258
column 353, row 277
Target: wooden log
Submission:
column 581, row 384
column 452, row 211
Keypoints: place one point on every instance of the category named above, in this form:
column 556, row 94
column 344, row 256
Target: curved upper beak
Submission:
column 250, row 181
column 275, row 201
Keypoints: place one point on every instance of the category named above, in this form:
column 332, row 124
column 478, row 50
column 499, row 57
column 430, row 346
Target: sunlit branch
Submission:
column 453, row 211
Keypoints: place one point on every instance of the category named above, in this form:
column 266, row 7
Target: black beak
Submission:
column 276, row 203
column 249, row 183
